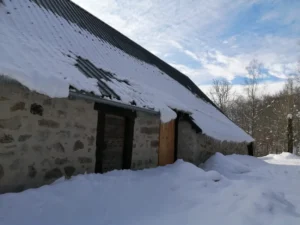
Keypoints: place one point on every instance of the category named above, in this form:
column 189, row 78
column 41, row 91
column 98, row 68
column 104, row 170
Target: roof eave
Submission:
column 74, row 94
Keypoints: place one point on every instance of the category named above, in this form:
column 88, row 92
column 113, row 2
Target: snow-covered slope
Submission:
column 175, row 194
column 39, row 49
column 283, row 158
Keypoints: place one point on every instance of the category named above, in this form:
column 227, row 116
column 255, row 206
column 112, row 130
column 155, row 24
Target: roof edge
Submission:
column 74, row 94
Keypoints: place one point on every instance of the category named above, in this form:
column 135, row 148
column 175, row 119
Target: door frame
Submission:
column 129, row 117
column 176, row 138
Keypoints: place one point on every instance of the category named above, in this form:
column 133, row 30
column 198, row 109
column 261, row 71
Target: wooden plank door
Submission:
column 114, row 134
column 166, row 151
column 115, row 131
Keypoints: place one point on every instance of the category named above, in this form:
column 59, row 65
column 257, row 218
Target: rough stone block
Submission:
column 37, row 148
column 36, row 109
column 62, row 161
column 78, row 145
column 18, row 106
column 149, row 130
column 80, row 109
column 64, row 134
column 58, row 147
column 61, row 114
column 15, row 165
column 47, row 101
column 31, row 171
column 48, row 123
column 24, row 137
column 7, row 154
column 93, row 130
column 10, row 146
column 46, row 162
column 6, row 139
column 154, row 143
column 68, row 125
column 13, row 123
column 76, row 135
column 3, row 98
column 53, row 174
column 91, row 140
column 69, row 171
column 84, row 160
column 43, row 135
column 139, row 163
column 19, row 188
column 79, row 126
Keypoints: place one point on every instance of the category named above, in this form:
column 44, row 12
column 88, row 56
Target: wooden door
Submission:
column 114, row 133
column 166, row 151
column 115, row 129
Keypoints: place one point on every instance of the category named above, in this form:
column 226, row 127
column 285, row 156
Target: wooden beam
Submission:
column 176, row 138
column 115, row 110
column 129, row 116
column 128, row 142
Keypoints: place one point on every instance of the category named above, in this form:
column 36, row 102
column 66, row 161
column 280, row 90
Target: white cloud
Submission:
column 283, row 70
column 216, row 64
column 270, row 16
column 278, row 55
column 286, row 15
column 157, row 21
column 194, row 73
column 188, row 30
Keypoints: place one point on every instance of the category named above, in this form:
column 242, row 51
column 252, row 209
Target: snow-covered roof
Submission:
column 42, row 41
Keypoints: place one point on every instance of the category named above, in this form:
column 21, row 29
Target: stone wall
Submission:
column 197, row 148
column 42, row 139
column 146, row 141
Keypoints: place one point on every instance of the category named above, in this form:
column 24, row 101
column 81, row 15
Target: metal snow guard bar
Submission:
column 74, row 94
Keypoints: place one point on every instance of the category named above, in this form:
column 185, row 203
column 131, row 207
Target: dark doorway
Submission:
column 114, row 138
column 250, row 149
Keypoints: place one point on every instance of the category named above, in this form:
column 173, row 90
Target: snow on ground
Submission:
column 282, row 159
column 244, row 191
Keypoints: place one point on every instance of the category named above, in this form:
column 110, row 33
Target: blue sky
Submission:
column 211, row 39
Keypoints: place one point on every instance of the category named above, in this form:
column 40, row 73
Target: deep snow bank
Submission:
column 225, row 165
column 283, row 158
column 176, row 194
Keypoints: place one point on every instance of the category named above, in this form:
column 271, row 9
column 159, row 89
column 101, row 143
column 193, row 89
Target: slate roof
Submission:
column 50, row 45
column 75, row 14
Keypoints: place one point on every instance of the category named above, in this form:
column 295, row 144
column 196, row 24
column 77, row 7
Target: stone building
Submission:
column 76, row 96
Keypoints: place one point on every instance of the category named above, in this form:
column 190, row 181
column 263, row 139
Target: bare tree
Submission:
column 221, row 93
column 290, row 134
column 297, row 77
column 290, row 90
column 252, row 87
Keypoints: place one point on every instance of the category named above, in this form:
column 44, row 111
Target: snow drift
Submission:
column 225, row 165
column 175, row 194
